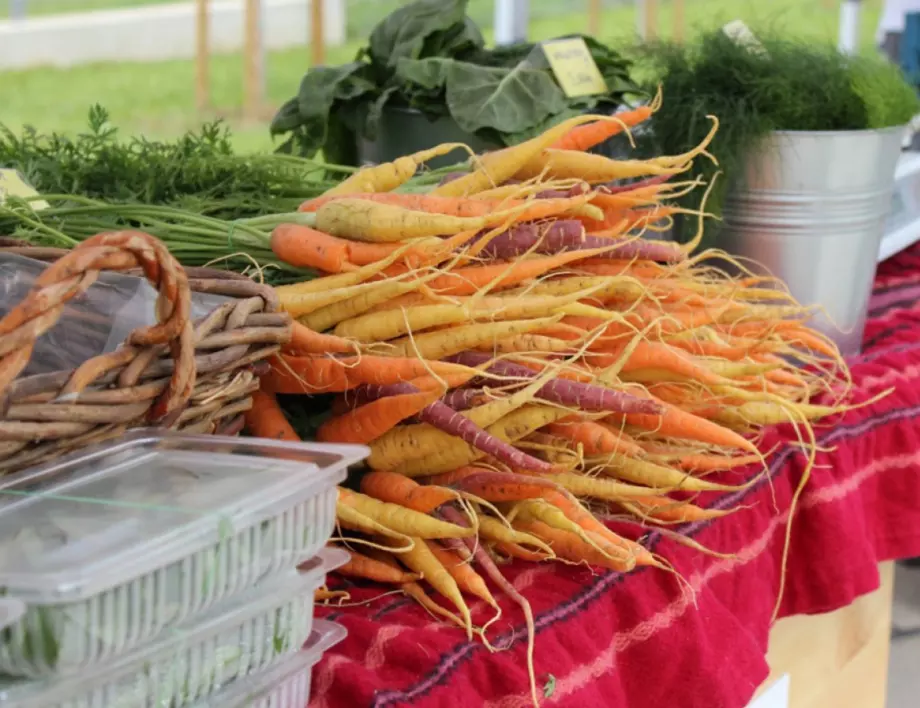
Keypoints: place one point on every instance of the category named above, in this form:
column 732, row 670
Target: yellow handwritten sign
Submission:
column 574, row 67
column 13, row 184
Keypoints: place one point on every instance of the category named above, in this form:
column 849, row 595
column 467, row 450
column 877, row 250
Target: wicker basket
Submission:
column 196, row 377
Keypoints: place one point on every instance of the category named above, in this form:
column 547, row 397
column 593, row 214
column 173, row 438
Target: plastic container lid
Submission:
column 111, row 513
column 225, row 617
column 244, row 692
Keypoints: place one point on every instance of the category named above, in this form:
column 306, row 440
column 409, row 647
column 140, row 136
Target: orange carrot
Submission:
column 305, row 341
column 304, row 247
column 677, row 423
column 398, row 489
column 469, row 280
column 467, row 579
column 361, row 566
column 585, row 137
column 567, row 545
column 266, row 419
column 655, row 356
column 664, row 509
column 317, row 374
column 368, row 422
column 594, row 438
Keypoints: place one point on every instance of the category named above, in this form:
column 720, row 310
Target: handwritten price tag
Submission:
column 574, row 67
column 13, row 184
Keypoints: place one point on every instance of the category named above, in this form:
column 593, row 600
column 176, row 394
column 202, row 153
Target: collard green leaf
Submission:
column 456, row 42
column 287, row 118
column 319, row 90
column 508, row 100
column 403, row 33
column 429, row 74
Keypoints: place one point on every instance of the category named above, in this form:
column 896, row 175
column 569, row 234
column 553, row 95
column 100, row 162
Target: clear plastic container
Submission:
column 247, row 635
column 111, row 546
column 285, row 684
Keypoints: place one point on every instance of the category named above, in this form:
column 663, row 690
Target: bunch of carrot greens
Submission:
column 517, row 356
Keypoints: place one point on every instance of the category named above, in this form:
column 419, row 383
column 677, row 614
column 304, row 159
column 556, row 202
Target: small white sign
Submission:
column 777, row 696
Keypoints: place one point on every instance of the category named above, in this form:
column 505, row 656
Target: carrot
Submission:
column 699, row 462
column 371, row 295
column 655, row 476
column 538, row 510
column 304, row 247
column 317, row 374
column 585, row 137
column 377, row 222
column 664, row 509
column 594, row 438
column 417, row 593
column 528, row 343
column 493, row 572
column 368, row 422
column 305, row 341
column 396, row 489
column 569, row 546
column 361, row 566
column 649, row 361
column 467, row 579
column 463, row 207
column 676, row 423
column 513, row 550
column 494, row 168
column 444, row 343
column 421, row 560
column 383, row 326
column 471, row 279
column 598, row 488
column 493, row 530
column 390, row 175
column 265, row 419
column 399, row 519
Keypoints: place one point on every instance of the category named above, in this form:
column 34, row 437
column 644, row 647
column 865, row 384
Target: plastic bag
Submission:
column 96, row 322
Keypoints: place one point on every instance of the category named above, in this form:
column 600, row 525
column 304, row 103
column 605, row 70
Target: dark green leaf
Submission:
column 403, row 33
column 375, row 111
column 508, row 100
column 287, row 118
column 430, row 73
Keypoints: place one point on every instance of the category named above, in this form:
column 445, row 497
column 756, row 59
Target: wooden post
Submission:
column 317, row 33
column 253, row 60
column 651, row 19
column 594, row 16
column 679, row 20
column 202, row 55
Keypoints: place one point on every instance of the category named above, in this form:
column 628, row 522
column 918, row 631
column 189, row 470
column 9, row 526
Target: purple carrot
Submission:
column 450, row 421
column 584, row 396
column 569, row 235
column 461, row 399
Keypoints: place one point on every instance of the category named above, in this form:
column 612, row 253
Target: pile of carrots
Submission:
column 522, row 362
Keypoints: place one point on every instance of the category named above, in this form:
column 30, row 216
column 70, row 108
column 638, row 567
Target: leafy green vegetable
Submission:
column 430, row 57
column 792, row 85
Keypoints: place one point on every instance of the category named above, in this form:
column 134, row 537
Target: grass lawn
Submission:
column 157, row 99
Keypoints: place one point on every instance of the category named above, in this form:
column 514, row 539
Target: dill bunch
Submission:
column 791, row 85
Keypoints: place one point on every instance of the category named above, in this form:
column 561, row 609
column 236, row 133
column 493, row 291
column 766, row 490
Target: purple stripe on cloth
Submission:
column 462, row 652
column 882, row 302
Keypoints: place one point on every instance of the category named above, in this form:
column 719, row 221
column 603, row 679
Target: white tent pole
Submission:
column 848, row 42
column 511, row 21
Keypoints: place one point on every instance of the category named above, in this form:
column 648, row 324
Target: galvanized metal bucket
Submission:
column 810, row 209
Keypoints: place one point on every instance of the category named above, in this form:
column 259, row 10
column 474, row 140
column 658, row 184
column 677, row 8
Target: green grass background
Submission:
column 157, row 99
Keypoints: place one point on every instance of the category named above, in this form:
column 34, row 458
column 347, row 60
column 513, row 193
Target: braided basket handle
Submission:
column 73, row 274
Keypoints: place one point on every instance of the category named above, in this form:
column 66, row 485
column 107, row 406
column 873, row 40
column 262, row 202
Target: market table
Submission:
column 642, row 640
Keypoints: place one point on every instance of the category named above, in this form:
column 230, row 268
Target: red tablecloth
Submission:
column 639, row 640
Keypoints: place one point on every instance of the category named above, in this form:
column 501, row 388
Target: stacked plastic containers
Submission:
column 161, row 571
